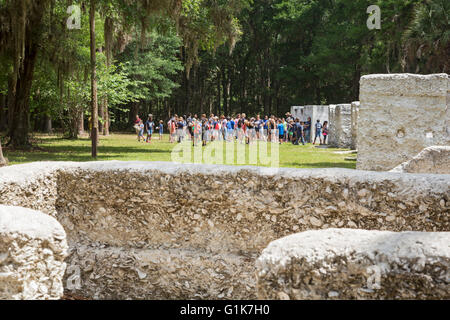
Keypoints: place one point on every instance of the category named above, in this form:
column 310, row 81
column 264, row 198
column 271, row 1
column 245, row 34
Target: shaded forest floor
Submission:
column 125, row 147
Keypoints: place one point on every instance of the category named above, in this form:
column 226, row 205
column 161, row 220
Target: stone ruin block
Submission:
column 356, row 264
column 400, row 115
column 435, row 159
column 32, row 251
column 354, row 125
column 332, row 125
column 340, row 134
column 209, row 229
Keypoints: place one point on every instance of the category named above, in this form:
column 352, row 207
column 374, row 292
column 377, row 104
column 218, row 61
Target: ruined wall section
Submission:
column 161, row 230
column 400, row 115
column 32, row 251
column 354, row 125
column 356, row 264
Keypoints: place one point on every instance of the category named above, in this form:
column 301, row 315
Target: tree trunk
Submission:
column 108, row 35
column 133, row 112
column 3, row 161
column 80, row 127
column 106, row 119
column 48, row 125
column 3, row 113
column 19, row 98
column 19, row 82
column 101, row 115
column 218, row 92
column 225, row 89
column 94, row 106
column 187, row 99
column 101, row 108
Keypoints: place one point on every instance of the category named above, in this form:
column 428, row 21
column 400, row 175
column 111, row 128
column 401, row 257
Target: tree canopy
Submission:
column 194, row 56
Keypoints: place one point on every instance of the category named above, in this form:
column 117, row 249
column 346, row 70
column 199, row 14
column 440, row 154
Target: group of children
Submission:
column 148, row 126
column 244, row 129
column 238, row 127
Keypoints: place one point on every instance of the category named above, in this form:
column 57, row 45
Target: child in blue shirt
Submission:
column 161, row 129
column 280, row 128
column 318, row 126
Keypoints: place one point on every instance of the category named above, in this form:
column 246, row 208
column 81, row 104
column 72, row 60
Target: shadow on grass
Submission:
column 106, row 149
column 79, row 153
column 350, row 165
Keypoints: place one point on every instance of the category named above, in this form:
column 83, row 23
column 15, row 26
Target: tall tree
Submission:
column 20, row 39
column 94, row 103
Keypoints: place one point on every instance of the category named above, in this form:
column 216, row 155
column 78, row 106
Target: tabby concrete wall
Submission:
column 354, row 125
column 341, row 126
column 332, row 127
column 400, row 115
column 356, row 264
column 435, row 159
column 167, row 231
column 32, row 251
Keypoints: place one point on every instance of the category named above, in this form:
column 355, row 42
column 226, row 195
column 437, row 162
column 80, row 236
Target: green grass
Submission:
column 125, row 147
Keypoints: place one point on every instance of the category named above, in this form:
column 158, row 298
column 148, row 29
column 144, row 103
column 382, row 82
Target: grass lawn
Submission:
column 125, row 147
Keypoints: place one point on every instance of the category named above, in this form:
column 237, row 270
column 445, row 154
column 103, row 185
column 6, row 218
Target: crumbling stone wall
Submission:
column 400, row 115
column 161, row 230
column 354, row 125
column 32, row 251
column 435, row 159
column 340, row 126
column 332, row 138
column 356, row 264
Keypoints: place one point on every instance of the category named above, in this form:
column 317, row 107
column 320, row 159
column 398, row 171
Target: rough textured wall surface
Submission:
column 435, row 159
column 32, row 185
column 332, row 137
column 32, row 251
column 341, row 126
column 400, row 115
column 354, row 125
column 161, row 230
column 356, row 264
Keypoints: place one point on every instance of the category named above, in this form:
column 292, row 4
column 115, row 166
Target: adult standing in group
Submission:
column 180, row 129
column 223, row 127
column 172, row 127
column 149, row 125
column 289, row 117
column 190, row 126
column 240, row 127
column 169, row 127
column 307, row 129
column 299, row 128
column 257, row 126
column 137, row 122
column 272, row 135
column 285, row 128
column 205, row 130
